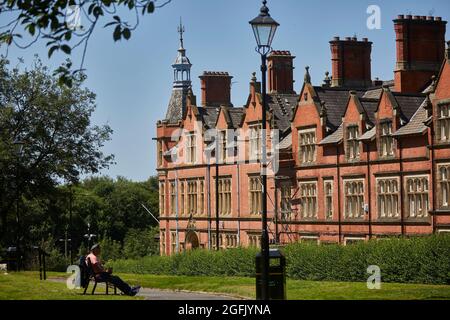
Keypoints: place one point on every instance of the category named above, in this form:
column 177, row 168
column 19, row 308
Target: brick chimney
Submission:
column 216, row 88
column 281, row 76
column 420, row 51
column 350, row 60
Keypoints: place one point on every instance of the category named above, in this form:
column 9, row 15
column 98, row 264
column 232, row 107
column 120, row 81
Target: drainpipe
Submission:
column 176, row 214
column 402, row 204
column 433, row 195
column 208, row 202
column 339, row 191
column 238, row 205
column 369, row 179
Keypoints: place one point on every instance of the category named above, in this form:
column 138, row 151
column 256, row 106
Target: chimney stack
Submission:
column 420, row 45
column 281, row 76
column 216, row 88
column 351, row 64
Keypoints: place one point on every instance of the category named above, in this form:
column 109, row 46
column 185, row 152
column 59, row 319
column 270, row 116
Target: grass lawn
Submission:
column 26, row 285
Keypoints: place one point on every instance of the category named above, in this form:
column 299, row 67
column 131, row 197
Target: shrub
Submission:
column 415, row 260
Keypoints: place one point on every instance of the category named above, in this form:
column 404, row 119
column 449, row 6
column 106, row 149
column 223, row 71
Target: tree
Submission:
column 60, row 144
column 58, row 22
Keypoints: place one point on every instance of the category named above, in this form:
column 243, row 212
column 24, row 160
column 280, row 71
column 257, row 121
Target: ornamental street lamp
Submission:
column 264, row 28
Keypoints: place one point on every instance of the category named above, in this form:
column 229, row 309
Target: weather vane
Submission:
column 181, row 31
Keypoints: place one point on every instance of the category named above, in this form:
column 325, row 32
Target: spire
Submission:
column 307, row 78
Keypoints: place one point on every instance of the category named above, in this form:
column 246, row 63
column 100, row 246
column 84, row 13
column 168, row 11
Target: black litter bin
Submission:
column 277, row 275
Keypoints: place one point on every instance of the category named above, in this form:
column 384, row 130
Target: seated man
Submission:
column 103, row 274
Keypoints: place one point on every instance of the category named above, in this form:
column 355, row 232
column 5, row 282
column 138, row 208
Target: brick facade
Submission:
column 357, row 158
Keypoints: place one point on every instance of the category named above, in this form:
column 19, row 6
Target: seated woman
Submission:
column 103, row 274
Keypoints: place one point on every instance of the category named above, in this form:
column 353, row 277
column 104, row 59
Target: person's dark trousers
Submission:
column 115, row 280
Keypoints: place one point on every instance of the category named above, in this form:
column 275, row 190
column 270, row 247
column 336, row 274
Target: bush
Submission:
column 140, row 243
column 111, row 249
column 414, row 260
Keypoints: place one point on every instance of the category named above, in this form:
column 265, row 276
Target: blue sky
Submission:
column 133, row 79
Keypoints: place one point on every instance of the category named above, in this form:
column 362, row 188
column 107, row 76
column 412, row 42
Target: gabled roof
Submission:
column 370, row 107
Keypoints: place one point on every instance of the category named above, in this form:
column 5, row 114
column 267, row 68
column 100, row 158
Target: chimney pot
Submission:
column 408, row 16
column 438, row 18
column 430, row 18
column 416, row 17
column 400, row 16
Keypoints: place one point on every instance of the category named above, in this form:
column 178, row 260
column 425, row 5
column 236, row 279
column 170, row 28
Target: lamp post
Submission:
column 264, row 28
column 19, row 148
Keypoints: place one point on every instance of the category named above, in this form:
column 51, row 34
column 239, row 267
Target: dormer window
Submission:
column 191, row 148
column 352, row 143
column 444, row 123
column 307, row 146
column 386, row 139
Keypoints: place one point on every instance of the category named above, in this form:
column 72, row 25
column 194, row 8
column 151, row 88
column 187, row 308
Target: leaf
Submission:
column 109, row 24
column 126, row 33
column 117, row 33
column 51, row 50
column 151, row 7
column 66, row 49
column 31, row 28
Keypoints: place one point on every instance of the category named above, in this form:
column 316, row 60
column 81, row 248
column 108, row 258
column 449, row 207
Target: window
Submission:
column 417, row 196
column 163, row 242
column 285, row 203
column 191, row 148
column 443, row 123
column 354, row 199
column 223, row 145
column 254, row 240
column 387, row 191
column 225, row 196
column 161, row 198
column 192, row 197
column 307, row 146
column 230, row 240
column 352, row 143
column 308, row 199
column 160, row 153
column 353, row 240
column 201, row 204
column 309, row 239
column 444, row 185
column 328, row 191
column 183, row 196
column 173, row 198
column 173, row 241
column 255, row 142
column 386, row 139
column 255, row 195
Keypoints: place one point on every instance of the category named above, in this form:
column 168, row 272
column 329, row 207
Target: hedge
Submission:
column 404, row 260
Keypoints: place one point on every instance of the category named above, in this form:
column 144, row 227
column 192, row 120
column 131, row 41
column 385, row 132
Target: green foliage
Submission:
column 68, row 25
column 409, row 260
column 111, row 249
column 140, row 243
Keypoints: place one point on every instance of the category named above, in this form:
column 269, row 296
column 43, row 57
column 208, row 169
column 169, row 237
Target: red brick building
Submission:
column 357, row 158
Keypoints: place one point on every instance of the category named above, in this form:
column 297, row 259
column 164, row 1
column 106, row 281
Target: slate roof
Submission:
column 282, row 106
column 370, row 106
column 368, row 135
column 177, row 104
column 209, row 116
column 286, row 143
column 416, row 124
column 408, row 103
column 335, row 137
column 335, row 100
column 236, row 115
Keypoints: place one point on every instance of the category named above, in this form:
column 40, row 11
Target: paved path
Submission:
column 159, row 294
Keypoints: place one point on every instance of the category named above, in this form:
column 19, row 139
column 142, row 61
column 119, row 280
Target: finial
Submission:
column 264, row 10
column 181, row 31
column 307, row 77
column 253, row 76
column 327, row 80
